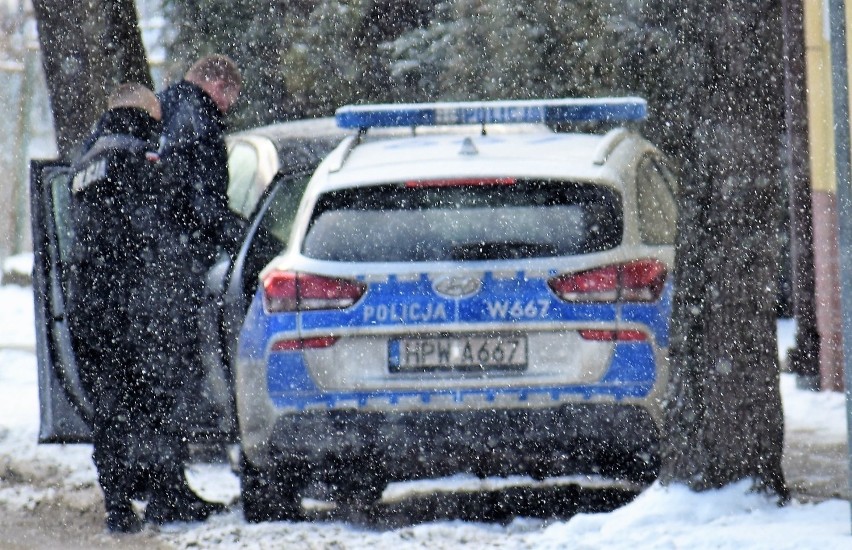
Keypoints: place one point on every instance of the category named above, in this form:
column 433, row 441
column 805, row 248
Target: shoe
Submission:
column 123, row 519
column 139, row 489
column 169, row 510
column 172, row 499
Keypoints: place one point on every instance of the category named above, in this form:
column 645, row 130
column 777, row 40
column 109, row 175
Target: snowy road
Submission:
column 49, row 496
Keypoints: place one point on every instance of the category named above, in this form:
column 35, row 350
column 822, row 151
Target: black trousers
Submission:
column 165, row 306
column 106, row 360
column 135, row 444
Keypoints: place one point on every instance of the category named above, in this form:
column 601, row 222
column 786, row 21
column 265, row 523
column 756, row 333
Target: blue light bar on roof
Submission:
column 610, row 109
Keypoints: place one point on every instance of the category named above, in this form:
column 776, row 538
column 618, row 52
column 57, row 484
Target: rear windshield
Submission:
column 415, row 222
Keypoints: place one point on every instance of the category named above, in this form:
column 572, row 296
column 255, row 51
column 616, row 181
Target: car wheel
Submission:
column 357, row 481
column 637, row 467
column 363, row 495
column 272, row 494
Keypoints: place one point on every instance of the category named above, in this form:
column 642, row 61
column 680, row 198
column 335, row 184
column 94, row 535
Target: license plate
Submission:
column 462, row 354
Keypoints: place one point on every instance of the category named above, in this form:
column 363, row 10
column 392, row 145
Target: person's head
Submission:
column 219, row 76
column 137, row 96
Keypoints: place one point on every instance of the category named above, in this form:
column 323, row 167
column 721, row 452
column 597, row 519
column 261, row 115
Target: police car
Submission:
column 462, row 289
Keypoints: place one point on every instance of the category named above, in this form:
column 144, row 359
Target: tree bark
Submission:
column 122, row 41
column 88, row 46
column 723, row 420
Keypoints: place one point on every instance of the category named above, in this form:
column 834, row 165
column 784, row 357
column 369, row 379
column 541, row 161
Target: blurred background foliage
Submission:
column 304, row 58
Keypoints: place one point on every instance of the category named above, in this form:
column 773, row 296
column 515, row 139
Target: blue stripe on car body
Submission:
column 632, row 372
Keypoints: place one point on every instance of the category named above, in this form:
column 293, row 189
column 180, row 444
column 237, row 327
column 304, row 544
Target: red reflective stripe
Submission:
column 304, row 343
column 460, row 182
column 601, row 335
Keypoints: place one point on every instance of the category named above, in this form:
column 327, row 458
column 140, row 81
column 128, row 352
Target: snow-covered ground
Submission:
column 661, row 517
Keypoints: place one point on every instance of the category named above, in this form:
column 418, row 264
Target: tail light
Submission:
column 599, row 335
column 636, row 281
column 304, row 343
column 290, row 291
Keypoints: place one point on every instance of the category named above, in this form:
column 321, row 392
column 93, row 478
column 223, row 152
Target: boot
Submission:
column 116, row 481
column 173, row 500
column 122, row 519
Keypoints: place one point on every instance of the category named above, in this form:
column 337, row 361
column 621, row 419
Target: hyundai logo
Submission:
column 455, row 286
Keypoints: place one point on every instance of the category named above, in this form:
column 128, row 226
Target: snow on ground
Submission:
column 20, row 264
column 661, row 517
column 17, row 330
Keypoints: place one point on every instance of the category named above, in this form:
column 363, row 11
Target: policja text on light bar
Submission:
column 610, row 109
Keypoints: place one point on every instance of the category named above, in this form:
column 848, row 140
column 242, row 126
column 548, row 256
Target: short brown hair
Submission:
column 215, row 67
column 135, row 95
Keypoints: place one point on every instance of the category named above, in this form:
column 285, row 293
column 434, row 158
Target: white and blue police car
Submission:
column 463, row 289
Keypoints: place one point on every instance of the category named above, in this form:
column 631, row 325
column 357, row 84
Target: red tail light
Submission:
column 613, row 335
column 304, row 343
column 636, row 281
column 289, row 291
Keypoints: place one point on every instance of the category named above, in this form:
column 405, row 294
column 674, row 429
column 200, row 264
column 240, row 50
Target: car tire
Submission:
column 363, row 495
column 358, row 481
column 272, row 494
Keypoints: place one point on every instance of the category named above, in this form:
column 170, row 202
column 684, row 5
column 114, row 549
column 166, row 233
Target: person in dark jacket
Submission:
column 194, row 156
column 118, row 166
column 197, row 226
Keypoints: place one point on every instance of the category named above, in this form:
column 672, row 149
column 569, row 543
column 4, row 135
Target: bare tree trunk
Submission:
column 74, row 98
column 88, row 46
column 723, row 417
column 122, row 42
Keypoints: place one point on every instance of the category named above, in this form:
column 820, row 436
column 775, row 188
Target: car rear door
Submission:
column 64, row 409
column 266, row 191
column 228, row 290
column 458, row 294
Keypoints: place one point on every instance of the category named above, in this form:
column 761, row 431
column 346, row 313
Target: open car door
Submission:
column 64, row 408
column 269, row 169
column 229, row 287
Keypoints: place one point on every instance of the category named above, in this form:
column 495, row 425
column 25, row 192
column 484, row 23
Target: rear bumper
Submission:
column 610, row 439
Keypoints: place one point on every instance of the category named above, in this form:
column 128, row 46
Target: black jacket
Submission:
column 111, row 182
column 195, row 165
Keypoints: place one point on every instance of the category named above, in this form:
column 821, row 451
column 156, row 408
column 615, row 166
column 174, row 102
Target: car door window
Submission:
column 243, row 190
column 278, row 220
column 656, row 205
column 273, row 233
column 60, row 191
